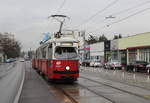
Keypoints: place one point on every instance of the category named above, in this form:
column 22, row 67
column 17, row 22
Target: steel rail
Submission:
column 131, row 93
column 127, row 83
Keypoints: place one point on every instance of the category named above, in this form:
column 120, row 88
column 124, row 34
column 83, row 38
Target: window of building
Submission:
column 144, row 55
column 132, row 55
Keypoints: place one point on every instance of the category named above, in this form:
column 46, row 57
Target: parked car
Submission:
column 148, row 68
column 85, row 63
column 27, row 59
column 21, row 59
column 137, row 66
column 92, row 64
column 113, row 64
column 98, row 64
column 10, row 60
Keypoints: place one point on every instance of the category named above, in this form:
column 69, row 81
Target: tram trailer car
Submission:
column 58, row 59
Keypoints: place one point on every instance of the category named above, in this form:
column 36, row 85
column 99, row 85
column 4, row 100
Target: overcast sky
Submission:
column 27, row 19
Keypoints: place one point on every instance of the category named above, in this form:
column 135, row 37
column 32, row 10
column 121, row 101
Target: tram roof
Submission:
column 63, row 39
column 58, row 40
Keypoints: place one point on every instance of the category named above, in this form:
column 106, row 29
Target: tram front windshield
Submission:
column 65, row 53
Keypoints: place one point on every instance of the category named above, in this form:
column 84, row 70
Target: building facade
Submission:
column 107, row 51
column 126, row 50
column 137, row 47
column 114, row 50
column 97, row 52
column 84, row 48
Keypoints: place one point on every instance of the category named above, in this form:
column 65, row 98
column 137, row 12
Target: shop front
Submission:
column 139, row 53
column 137, row 47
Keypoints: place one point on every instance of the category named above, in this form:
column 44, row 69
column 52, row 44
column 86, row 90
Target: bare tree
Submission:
column 10, row 46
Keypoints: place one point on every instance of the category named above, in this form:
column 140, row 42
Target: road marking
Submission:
column 20, row 88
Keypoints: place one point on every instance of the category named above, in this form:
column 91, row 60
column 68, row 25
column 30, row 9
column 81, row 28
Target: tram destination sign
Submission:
column 67, row 44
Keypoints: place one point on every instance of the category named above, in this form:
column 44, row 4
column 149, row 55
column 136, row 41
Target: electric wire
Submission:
column 136, row 13
column 100, row 11
column 128, row 9
column 61, row 6
column 58, row 10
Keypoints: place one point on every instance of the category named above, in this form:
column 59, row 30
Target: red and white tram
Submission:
column 58, row 59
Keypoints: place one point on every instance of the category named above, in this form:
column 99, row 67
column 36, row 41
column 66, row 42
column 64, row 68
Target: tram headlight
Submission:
column 67, row 68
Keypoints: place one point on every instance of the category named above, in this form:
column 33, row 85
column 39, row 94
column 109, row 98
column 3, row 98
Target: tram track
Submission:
column 63, row 90
column 70, row 96
column 112, row 101
column 107, row 85
column 129, row 84
column 58, row 90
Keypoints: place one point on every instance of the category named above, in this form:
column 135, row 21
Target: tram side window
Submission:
column 44, row 53
column 36, row 55
column 50, row 52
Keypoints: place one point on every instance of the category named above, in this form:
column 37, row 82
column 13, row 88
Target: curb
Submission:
column 20, row 88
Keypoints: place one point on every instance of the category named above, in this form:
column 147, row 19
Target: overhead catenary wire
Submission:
column 136, row 13
column 98, row 12
column 128, row 9
column 61, row 6
column 58, row 10
column 124, row 11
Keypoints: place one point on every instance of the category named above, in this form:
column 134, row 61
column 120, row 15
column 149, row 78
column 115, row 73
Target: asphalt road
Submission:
column 95, row 85
column 11, row 75
column 134, row 79
column 35, row 89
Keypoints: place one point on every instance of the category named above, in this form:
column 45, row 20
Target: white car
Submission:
column 21, row 60
column 148, row 66
column 98, row 64
column 92, row 64
column 113, row 64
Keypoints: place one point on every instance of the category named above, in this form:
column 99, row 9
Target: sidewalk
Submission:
column 35, row 90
